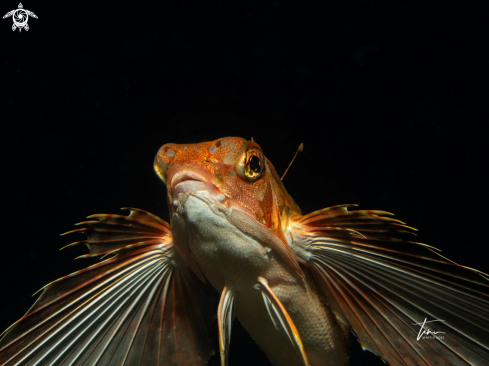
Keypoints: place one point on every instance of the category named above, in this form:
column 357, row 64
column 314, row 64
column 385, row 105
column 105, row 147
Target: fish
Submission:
column 304, row 286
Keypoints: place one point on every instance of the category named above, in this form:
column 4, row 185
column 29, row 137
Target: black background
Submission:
column 389, row 98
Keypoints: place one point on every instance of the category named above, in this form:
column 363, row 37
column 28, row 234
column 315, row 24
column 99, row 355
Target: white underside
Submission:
column 226, row 255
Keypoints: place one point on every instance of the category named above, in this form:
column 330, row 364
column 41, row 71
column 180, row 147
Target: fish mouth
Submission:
column 185, row 184
column 182, row 176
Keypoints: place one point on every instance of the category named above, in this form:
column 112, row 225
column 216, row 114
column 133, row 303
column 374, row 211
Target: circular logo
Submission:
column 20, row 17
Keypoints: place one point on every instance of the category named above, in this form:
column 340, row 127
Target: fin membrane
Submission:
column 385, row 289
column 140, row 306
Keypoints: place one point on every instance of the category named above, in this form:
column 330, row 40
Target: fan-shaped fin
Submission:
column 386, row 288
column 141, row 306
column 225, row 318
column 281, row 318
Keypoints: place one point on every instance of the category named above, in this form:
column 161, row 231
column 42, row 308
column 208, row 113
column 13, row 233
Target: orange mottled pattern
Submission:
column 216, row 162
column 227, row 149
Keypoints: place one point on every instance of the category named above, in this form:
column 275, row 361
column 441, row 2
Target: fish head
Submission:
column 233, row 173
column 221, row 192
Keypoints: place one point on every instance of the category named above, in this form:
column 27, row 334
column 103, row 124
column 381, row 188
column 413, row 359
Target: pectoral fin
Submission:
column 281, row 318
column 385, row 288
column 141, row 306
column 225, row 318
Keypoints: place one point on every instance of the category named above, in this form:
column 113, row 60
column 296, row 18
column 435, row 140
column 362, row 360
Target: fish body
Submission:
column 300, row 284
column 226, row 254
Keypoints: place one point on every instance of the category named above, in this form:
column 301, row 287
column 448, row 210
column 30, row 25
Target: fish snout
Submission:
column 162, row 160
column 193, row 181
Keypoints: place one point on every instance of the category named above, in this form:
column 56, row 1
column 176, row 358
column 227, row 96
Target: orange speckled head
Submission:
column 237, row 169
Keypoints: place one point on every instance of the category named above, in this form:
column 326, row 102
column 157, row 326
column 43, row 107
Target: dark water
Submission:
column 388, row 97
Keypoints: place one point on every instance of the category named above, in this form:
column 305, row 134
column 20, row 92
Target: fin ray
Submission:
column 126, row 310
column 225, row 317
column 278, row 311
column 383, row 288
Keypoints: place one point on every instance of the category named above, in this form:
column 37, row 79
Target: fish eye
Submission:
column 253, row 166
column 251, row 163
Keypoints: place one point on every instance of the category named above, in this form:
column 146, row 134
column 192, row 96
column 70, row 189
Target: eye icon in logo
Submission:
column 20, row 17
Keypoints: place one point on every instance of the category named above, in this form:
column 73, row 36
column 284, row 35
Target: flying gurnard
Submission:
column 300, row 284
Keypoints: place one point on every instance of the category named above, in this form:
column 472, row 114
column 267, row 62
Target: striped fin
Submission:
column 385, row 288
column 140, row 306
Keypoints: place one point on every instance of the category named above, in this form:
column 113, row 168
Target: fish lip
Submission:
column 183, row 176
column 186, row 176
column 180, row 177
